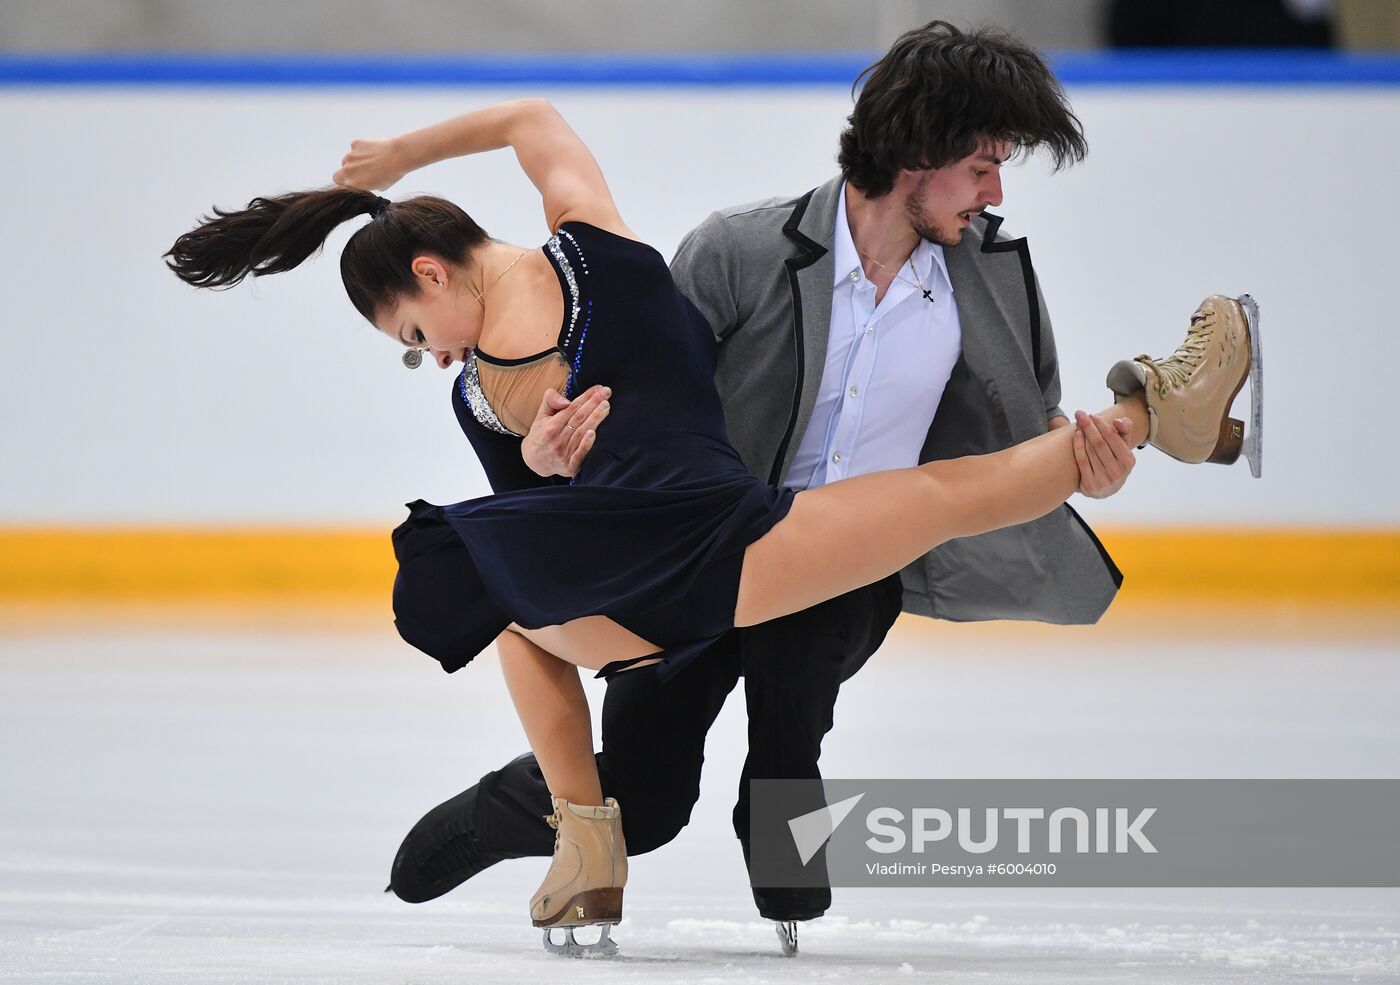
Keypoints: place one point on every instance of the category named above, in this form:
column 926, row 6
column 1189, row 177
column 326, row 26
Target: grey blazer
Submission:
column 762, row 275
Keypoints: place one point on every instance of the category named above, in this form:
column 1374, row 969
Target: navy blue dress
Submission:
column 651, row 532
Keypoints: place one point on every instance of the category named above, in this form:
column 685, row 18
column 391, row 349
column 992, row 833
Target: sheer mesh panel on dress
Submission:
column 515, row 390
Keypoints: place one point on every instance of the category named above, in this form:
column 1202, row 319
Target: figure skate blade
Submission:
column 1254, row 443
column 787, row 937
column 572, row 947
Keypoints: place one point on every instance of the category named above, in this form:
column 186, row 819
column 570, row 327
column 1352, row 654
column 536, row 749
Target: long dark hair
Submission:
column 938, row 90
column 275, row 234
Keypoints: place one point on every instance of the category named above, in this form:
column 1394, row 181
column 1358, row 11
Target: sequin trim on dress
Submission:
column 557, row 251
column 578, row 361
column 578, row 355
column 470, row 382
column 577, row 249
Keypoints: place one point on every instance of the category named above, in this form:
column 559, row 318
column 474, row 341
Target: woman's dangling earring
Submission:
column 413, row 358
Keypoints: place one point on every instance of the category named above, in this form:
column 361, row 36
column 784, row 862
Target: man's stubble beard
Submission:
column 928, row 230
column 936, row 235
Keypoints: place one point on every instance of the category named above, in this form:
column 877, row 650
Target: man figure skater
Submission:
column 876, row 321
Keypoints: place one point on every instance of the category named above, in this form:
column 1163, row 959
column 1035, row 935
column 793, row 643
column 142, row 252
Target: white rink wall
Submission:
column 128, row 398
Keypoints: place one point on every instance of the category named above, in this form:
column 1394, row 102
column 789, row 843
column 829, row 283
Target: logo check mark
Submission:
column 811, row 831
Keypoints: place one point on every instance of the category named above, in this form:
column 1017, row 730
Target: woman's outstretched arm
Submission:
column 552, row 156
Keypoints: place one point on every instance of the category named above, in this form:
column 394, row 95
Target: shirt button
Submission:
column 855, row 276
column 869, row 329
column 854, row 391
column 836, row 457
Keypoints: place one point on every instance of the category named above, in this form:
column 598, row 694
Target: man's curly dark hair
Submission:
column 938, row 91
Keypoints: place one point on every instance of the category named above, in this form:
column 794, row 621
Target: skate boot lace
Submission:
column 457, row 852
column 553, row 821
column 1175, row 370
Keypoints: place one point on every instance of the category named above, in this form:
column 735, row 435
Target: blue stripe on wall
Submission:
column 1136, row 68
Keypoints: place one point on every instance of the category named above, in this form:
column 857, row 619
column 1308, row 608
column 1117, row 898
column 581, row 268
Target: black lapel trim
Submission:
column 1113, row 571
column 814, row 252
column 1022, row 249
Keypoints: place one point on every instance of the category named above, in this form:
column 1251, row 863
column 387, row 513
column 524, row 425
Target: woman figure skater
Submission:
column 663, row 540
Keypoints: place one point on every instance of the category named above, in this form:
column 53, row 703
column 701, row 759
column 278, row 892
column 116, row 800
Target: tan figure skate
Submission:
column 1189, row 393
column 584, row 884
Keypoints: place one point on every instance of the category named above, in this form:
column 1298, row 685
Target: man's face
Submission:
column 941, row 202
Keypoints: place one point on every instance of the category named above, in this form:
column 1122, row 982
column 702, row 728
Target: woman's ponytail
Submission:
column 273, row 235
column 270, row 236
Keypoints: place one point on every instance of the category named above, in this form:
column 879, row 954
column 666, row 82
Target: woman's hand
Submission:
column 372, row 165
column 1104, row 458
column 564, row 431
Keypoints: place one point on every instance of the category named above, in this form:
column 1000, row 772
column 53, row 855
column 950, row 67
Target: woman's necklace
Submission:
column 500, row 275
column 928, row 292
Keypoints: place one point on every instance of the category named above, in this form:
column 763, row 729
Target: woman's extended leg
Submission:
column 857, row 531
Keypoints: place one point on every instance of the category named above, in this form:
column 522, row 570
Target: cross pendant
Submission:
column 928, row 294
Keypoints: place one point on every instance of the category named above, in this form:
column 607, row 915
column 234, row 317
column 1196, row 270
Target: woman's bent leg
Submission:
column 592, row 642
column 549, row 699
column 588, row 872
column 857, row 531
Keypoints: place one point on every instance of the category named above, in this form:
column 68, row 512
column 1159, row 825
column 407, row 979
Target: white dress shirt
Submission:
column 886, row 366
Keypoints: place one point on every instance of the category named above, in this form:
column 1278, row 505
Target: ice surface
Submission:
column 201, row 807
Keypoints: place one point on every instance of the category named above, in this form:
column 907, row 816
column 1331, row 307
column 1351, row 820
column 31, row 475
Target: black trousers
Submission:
column 653, row 747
